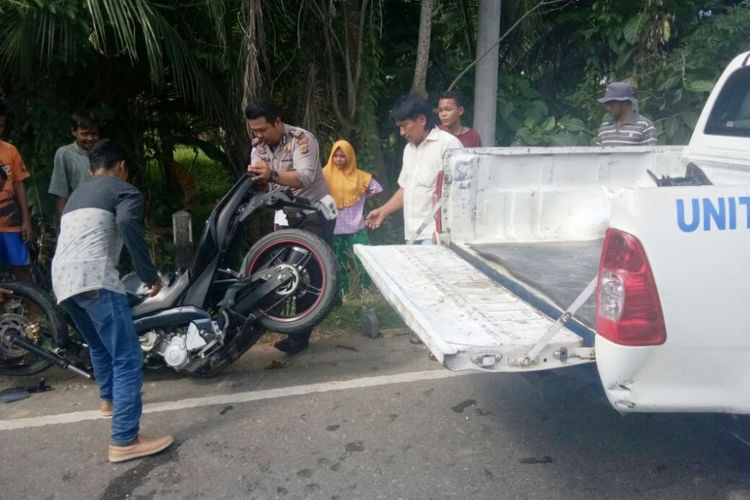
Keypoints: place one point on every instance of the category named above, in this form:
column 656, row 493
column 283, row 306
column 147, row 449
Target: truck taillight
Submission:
column 628, row 310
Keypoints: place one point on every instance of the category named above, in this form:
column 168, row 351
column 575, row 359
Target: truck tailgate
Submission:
column 466, row 319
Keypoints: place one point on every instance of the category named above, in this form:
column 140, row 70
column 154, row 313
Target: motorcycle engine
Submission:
column 176, row 353
column 183, row 346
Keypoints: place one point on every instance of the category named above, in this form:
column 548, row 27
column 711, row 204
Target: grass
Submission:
column 211, row 180
column 347, row 315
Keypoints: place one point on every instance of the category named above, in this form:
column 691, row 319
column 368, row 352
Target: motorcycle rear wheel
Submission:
column 311, row 296
column 16, row 314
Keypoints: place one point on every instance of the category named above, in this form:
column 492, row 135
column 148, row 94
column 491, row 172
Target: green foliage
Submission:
column 671, row 51
column 147, row 70
column 46, row 128
column 347, row 315
column 568, row 131
column 164, row 200
column 168, row 72
column 210, row 178
column 171, row 72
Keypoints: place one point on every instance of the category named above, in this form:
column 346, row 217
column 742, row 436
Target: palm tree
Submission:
column 167, row 66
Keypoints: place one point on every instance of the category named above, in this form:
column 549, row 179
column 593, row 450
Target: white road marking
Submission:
column 240, row 397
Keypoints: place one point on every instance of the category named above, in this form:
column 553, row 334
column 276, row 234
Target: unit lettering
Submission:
column 720, row 214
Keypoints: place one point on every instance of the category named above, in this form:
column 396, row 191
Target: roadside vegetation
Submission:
column 170, row 75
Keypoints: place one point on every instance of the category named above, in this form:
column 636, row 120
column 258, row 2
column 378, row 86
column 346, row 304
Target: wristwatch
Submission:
column 274, row 177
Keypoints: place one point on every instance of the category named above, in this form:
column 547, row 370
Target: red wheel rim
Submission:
column 314, row 255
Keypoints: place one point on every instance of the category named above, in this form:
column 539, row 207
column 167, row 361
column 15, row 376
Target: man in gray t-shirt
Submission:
column 71, row 166
column 100, row 217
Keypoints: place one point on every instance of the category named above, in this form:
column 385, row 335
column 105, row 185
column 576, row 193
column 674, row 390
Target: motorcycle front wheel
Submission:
column 31, row 312
column 309, row 297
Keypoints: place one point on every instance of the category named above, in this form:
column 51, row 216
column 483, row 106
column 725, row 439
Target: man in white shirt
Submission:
column 422, row 162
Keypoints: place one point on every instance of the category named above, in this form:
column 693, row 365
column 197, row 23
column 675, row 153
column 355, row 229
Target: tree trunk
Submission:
column 252, row 15
column 246, row 87
column 343, row 34
column 485, row 80
column 419, row 83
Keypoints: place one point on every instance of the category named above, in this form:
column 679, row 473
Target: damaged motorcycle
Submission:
column 207, row 316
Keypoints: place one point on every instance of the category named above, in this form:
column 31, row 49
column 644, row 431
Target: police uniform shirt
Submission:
column 298, row 151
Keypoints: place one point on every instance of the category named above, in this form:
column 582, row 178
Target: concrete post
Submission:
column 182, row 232
column 485, row 81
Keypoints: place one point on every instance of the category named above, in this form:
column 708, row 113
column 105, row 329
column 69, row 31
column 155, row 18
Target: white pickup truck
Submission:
column 553, row 257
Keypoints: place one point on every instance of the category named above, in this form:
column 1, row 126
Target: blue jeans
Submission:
column 105, row 321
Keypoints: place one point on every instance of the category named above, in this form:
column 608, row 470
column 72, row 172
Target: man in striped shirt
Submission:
column 626, row 127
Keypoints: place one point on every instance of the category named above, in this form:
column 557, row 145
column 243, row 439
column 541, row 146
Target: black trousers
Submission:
column 323, row 228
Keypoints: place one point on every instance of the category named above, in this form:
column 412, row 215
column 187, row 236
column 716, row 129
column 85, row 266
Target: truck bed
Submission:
column 559, row 270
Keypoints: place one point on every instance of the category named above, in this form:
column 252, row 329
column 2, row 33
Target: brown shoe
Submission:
column 105, row 407
column 142, row 447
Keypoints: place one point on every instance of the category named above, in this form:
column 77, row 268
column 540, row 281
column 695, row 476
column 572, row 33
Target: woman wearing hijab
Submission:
column 350, row 187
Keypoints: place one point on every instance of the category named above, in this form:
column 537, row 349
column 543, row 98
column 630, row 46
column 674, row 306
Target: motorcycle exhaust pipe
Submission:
column 16, row 339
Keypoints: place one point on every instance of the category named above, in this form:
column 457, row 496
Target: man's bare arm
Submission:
column 60, row 205
column 377, row 216
column 23, row 204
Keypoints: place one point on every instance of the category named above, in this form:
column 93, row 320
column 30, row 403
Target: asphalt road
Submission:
column 360, row 418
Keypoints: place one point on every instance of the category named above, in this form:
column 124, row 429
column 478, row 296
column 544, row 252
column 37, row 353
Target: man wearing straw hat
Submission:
column 626, row 127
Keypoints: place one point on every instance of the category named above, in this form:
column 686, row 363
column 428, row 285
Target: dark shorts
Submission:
column 13, row 250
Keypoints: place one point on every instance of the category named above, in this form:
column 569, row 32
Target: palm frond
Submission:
column 138, row 29
column 33, row 34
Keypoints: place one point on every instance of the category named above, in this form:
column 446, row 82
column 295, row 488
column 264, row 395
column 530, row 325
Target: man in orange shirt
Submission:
column 15, row 218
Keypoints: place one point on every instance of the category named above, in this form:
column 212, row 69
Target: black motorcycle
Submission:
column 206, row 317
column 33, row 333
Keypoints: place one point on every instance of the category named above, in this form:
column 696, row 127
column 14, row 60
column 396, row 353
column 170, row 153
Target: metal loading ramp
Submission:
column 466, row 319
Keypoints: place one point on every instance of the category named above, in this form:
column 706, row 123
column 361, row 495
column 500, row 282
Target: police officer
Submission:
column 288, row 156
